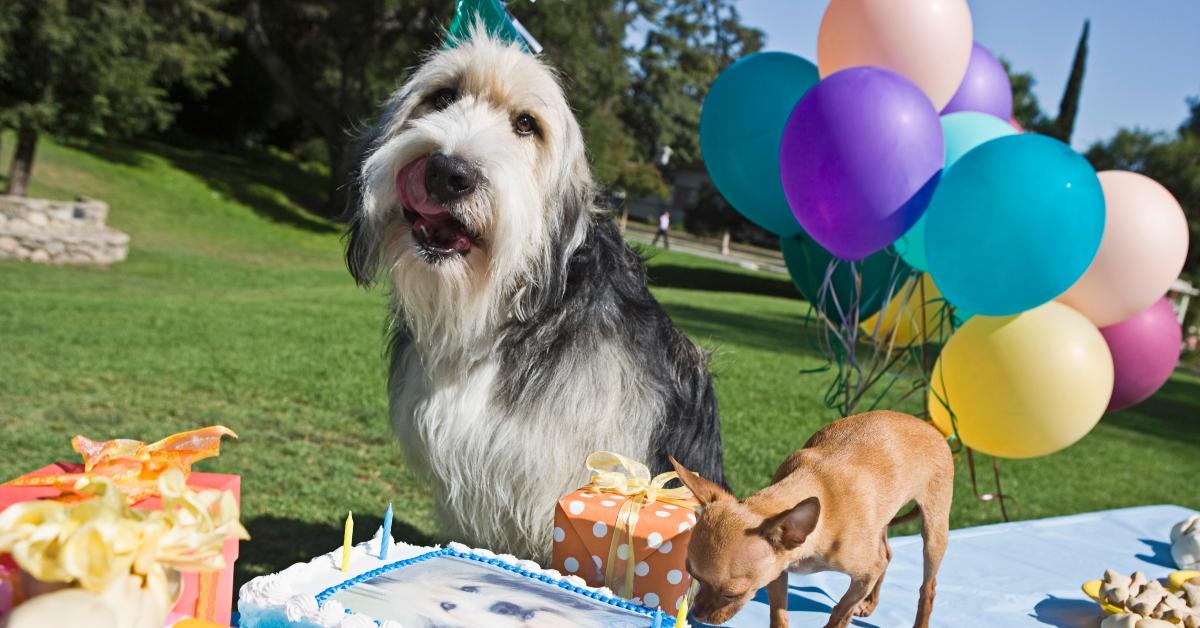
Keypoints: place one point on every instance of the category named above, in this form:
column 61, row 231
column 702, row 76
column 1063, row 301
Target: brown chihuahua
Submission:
column 827, row 509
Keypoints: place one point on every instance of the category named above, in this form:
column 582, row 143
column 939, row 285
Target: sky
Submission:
column 1143, row 60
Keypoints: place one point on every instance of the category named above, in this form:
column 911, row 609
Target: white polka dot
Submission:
column 670, row 506
column 622, row 551
column 641, row 569
column 692, row 518
column 608, row 503
column 679, row 602
column 596, row 561
column 559, row 535
column 654, row 540
column 651, row 600
column 684, row 526
column 674, row 576
column 587, row 495
column 662, row 513
column 571, row 564
column 666, row 548
column 599, row 530
column 575, row 507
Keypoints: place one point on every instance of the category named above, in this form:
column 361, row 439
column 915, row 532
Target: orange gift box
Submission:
column 592, row 526
column 207, row 596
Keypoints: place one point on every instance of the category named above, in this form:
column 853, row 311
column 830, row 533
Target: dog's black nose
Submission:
column 449, row 178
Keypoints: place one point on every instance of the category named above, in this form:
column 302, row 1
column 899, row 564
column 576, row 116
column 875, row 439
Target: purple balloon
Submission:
column 984, row 88
column 1145, row 349
column 860, row 157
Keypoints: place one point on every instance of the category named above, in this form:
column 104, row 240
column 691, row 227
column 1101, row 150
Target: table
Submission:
column 1025, row 573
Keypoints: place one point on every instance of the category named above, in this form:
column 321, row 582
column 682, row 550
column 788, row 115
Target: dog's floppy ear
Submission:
column 790, row 528
column 705, row 491
column 362, row 250
column 363, row 237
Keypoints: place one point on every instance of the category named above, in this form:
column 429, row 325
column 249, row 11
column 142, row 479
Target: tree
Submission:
column 335, row 61
column 1068, row 108
column 585, row 41
column 1028, row 112
column 81, row 69
column 688, row 44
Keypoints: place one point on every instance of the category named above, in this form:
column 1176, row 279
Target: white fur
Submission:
column 496, row 475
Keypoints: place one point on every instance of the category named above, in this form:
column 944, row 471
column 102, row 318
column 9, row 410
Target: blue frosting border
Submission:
column 660, row 618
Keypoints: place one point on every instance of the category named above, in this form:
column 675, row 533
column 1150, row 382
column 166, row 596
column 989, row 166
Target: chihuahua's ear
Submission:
column 705, row 491
column 790, row 528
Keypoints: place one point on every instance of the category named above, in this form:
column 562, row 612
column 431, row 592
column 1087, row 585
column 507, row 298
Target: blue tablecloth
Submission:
column 1025, row 573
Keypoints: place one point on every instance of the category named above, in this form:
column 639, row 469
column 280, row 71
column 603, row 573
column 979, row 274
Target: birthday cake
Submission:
column 452, row 586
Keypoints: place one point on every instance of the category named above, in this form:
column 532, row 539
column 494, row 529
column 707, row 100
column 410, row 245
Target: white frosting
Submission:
column 291, row 593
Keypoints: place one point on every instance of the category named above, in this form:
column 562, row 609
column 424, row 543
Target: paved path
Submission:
column 710, row 249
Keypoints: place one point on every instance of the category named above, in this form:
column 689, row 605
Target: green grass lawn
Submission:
column 234, row 308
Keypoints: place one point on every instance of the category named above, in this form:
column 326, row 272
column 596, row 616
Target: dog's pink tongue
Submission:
column 410, row 186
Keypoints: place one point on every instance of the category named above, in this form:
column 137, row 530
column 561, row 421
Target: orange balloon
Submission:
column 927, row 41
column 1143, row 250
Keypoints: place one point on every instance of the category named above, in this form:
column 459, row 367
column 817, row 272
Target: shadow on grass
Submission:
column 273, row 188
column 769, row 333
column 1173, row 413
column 277, row 543
column 716, row 280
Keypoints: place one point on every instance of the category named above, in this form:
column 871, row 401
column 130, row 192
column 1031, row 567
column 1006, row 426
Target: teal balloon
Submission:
column 1013, row 224
column 493, row 16
column 962, row 132
column 741, row 126
column 808, row 262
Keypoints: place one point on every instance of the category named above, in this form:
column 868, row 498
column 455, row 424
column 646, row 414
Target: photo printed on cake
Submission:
column 451, row 592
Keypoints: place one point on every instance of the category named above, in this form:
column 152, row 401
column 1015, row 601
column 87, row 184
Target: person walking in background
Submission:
column 664, row 225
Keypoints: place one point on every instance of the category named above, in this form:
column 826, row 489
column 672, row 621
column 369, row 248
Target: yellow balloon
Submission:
column 922, row 317
column 1024, row 385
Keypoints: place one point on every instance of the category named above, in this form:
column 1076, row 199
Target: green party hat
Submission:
column 496, row 19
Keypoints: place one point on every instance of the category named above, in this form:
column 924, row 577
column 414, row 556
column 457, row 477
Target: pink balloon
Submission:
column 1144, row 247
column 927, row 41
column 1016, row 125
column 1145, row 349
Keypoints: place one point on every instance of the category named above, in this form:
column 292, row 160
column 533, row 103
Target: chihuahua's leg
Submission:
column 860, row 585
column 867, row 606
column 777, row 593
column 935, row 533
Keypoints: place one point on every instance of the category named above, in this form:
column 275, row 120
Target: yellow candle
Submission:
column 347, row 540
column 681, row 618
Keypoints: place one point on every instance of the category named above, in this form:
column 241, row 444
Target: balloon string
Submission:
column 999, row 495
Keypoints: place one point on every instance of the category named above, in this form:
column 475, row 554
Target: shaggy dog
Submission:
column 524, row 337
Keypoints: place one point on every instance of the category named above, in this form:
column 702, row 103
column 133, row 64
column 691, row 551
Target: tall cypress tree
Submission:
column 1068, row 108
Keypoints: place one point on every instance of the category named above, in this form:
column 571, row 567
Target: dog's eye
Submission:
column 442, row 98
column 524, row 124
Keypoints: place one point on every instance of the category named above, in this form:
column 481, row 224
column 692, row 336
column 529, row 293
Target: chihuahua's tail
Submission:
column 906, row 517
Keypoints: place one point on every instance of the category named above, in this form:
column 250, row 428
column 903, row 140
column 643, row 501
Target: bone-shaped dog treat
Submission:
column 1171, row 607
column 1115, row 588
column 1191, row 592
column 1124, row 620
column 1149, row 622
column 1146, row 601
column 1137, row 582
column 1192, row 622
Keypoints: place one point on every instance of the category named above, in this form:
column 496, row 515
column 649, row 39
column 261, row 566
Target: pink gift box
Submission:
column 207, row 596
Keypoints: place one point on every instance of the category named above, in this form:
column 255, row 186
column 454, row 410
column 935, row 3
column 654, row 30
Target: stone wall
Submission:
column 59, row 232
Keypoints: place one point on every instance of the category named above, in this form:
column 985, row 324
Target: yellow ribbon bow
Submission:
column 614, row 473
column 132, row 465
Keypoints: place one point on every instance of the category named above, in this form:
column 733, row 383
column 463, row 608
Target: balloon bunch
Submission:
column 910, row 205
